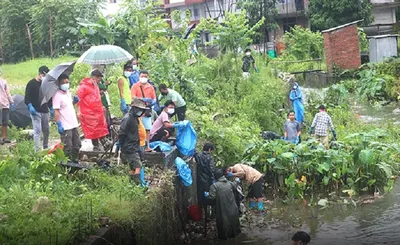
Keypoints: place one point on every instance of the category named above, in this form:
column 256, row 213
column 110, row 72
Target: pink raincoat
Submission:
column 93, row 122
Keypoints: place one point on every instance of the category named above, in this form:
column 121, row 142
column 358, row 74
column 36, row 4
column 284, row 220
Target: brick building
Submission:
column 342, row 47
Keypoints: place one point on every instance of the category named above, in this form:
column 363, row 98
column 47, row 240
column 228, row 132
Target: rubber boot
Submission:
column 252, row 205
column 260, row 206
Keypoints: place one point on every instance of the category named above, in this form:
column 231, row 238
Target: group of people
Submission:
column 220, row 188
column 140, row 124
column 320, row 126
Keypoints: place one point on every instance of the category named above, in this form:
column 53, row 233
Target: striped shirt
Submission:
column 321, row 123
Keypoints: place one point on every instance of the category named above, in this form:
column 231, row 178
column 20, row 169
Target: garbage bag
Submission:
column 184, row 172
column 164, row 147
column 186, row 137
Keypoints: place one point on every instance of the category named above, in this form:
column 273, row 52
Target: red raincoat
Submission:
column 93, row 122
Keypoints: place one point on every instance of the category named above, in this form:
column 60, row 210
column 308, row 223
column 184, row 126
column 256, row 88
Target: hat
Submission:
column 138, row 103
column 96, row 73
column 43, row 70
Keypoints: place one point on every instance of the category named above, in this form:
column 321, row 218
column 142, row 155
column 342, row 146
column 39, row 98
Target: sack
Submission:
column 186, row 138
column 184, row 172
column 164, row 147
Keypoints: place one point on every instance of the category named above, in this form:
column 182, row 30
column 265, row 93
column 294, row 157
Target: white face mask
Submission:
column 248, row 53
column 294, row 87
column 127, row 74
column 64, row 87
column 170, row 111
column 143, row 79
column 139, row 113
column 134, row 67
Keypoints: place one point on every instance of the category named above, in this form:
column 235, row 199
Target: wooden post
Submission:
column 30, row 40
column 1, row 48
column 51, row 37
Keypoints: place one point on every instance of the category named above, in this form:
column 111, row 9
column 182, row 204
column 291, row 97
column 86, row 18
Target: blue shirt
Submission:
column 134, row 78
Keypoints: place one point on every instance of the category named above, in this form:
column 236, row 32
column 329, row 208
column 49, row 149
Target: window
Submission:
column 195, row 14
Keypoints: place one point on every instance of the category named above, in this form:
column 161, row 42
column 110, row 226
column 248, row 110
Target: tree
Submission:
column 302, row 44
column 235, row 31
column 325, row 14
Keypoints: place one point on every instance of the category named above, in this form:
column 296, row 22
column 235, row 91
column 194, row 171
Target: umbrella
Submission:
column 20, row 117
column 189, row 30
column 104, row 55
column 49, row 84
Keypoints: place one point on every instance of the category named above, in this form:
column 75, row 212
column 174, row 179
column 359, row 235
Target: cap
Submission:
column 138, row 103
column 43, row 70
column 96, row 73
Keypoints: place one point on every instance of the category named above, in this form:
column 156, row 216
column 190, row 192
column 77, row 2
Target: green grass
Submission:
column 19, row 74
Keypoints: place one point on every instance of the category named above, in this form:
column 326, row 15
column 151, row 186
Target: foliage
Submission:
column 325, row 14
column 362, row 37
column 235, row 32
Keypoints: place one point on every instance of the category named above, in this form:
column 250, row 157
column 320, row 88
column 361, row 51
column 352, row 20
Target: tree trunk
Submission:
column 51, row 37
column 1, row 48
column 30, row 41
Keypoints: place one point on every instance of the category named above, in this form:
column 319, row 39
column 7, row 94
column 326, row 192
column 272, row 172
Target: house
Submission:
column 384, row 12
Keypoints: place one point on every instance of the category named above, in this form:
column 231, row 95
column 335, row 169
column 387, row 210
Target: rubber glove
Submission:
column 256, row 69
column 311, row 130
column 32, row 109
column 334, row 134
column 12, row 107
column 75, row 100
column 149, row 101
column 117, row 144
column 60, row 128
column 51, row 110
column 206, row 194
column 297, row 140
column 230, row 174
column 237, row 180
column 213, row 181
column 124, row 107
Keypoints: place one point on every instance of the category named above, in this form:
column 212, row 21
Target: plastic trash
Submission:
column 185, row 173
column 186, row 137
column 164, row 147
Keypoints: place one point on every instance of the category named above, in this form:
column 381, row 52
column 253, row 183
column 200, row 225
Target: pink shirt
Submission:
column 5, row 96
column 63, row 101
column 159, row 123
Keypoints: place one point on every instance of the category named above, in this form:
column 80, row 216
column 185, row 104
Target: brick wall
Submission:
column 342, row 48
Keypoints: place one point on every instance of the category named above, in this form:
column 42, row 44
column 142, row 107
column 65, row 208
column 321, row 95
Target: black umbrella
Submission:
column 49, row 84
column 188, row 31
column 20, row 117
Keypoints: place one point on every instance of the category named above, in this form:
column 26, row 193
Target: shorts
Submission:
column 133, row 159
column 4, row 116
column 161, row 133
column 256, row 189
column 146, row 123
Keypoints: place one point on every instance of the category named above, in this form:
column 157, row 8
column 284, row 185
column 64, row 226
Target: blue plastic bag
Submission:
column 185, row 173
column 186, row 138
column 164, row 147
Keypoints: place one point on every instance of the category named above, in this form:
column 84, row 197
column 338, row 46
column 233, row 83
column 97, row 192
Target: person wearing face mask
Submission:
column 145, row 91
column 296, row 97
column 129, row 138
column 91, row 111
column 123, row 87
column 170, row 94
column 134, row 77
column 162, row 127
column 248, row 60
column 67, row 122
column 39, row 113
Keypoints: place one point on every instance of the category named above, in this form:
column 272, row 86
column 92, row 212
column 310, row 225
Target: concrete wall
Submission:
column 342, row 47
column 384, row 16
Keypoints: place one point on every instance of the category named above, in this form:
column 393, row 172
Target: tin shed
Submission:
column 381, row 47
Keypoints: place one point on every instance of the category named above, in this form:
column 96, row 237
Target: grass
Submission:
column 19, row 74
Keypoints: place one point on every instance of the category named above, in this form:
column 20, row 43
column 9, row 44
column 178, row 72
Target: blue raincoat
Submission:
column 297, row 100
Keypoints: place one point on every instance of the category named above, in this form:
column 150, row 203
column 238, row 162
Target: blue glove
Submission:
column 31, row 109
column 334, row 134
column 237, row 180
column 206, row 194
column 213, row 181
column 256, row 69
column 141, row 177
column 311, row 130
column 149, row 101
column 124, row 107
column 75, row 100
column 51, row 110
column 12, row 107
column 60, row 128
column 230, row 174
column 117, row 144
column 297, row 140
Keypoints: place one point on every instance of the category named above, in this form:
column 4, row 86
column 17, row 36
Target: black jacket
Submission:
column 32, row 96
column 128, row 134
column 205, row 175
